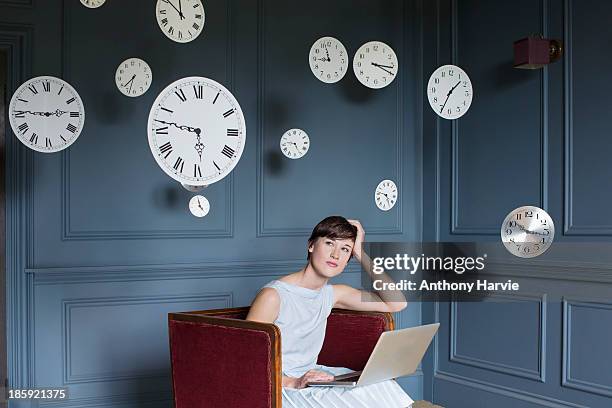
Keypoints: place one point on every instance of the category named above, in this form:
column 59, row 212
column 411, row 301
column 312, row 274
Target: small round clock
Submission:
column 527, row 231
column 385, row 195
column 450, row 92
column 375, row 64
column 328, row 60
column 199, row 206
column 46, row 114
column 180, row 20
column 92, row 3
column 295, row 143
column 133, row 77
column 196, row 131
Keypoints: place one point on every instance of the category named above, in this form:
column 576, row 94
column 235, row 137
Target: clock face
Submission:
column 133, row 77
column 92, row 3
column 375, row 64
column 196, row 131
column 199, row 206
column 450, row 92
column 527, row 231
column 180, row 20
column 295, row 143
column 46, row 114
column 385, row 195
column 328, row 60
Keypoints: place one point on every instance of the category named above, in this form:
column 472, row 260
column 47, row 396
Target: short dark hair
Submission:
column 334, row 227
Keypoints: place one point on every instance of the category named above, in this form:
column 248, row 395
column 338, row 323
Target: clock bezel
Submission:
column 355, row 61
column 430, row 96
column 510, row 245
column 345, row 65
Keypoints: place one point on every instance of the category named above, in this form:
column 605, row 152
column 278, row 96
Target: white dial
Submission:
column 295, row 143
column 375, row 64
column 133, row 77
column 328, row 59
column 450, row 92
column 46, row 114
column 527, row 231
column 92, row 3
column 196, row 131
column 385, row 195
column 180, row 20
column 199, row 206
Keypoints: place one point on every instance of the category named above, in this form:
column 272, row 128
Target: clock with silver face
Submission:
column 180, row 20
column 450, row 92
column 385, row 195
column 527, row 231
column 196, row 131
column 328, row 60
column 375, row 64
column 46, row 114
column 295, row 143
column 92, row 3
column 199, row 206
column 133, row 77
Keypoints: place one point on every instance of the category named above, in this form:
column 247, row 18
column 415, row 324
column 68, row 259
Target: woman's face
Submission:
column 329, row 256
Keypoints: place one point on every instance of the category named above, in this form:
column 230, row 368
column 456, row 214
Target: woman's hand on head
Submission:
column 310, row 376
column 359, row 239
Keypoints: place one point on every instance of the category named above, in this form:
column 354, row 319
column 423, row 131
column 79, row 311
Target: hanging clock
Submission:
column 527, row 231
column 180, row 20
column 133, row 77
column 92, row 3
column 295, row 143
column 375, row 64
column 385, row 195
column 46, row 114
column 450, row 92
column 196, row 131
column 328, row 60
column 199, row 206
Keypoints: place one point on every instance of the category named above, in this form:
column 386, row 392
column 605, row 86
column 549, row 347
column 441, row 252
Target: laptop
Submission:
column 397, row 353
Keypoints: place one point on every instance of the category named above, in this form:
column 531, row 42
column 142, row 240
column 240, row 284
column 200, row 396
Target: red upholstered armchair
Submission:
column 219, row 360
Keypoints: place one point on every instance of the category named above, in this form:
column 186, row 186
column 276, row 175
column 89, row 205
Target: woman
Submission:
column 299, row 304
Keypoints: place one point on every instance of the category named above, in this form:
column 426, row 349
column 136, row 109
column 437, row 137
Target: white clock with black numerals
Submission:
column 92, row 3
column 295, row 143
column 199, row 206
column 180, row 20
column 527, row 231
column 328, row 60
column 196, row 131
column 133, row 77
column 375, row 64
column 46, row 114
column 450, row 92
column 385, row 195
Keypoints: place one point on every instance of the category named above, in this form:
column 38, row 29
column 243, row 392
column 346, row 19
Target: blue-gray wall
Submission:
column 530, row 138
column 100, row 243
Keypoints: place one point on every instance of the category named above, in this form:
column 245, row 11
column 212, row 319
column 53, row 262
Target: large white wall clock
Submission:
column 196, row 131
column 133, row 77
column 46, row 114
column 180, row 20
column 92, row 3
column 375, row 64
column 295, row 143
column 328, row 60
column 450, row 92
column 385, row 195
column 527, row 231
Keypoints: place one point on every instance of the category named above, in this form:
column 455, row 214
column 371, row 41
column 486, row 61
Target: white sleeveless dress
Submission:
column 302, row 320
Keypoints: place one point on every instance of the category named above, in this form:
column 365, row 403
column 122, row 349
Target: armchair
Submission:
column 220, row 360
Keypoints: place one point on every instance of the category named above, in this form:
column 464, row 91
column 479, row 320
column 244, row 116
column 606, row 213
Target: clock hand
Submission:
column 181, row 11
column 321, row 59
column 197, row 131
column 448, row 95
column 327, row 51
column 174, row 7
column 200, row 205
column 130, row 90
column 382, row 67
column 133, row 76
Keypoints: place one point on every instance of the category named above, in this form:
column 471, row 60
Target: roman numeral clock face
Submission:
column 46, row 114
column 196, row 131
column 180, row 20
